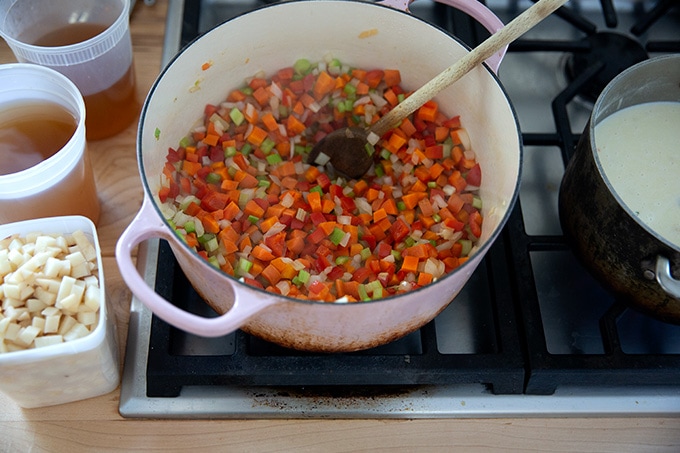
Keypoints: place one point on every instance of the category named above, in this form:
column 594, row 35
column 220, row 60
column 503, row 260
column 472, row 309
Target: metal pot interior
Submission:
column 654, row 80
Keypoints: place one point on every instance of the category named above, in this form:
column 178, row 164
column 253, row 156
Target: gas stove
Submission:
column 531, row 334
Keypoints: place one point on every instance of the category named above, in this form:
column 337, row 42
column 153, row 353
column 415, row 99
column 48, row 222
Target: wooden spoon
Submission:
column 345, row 148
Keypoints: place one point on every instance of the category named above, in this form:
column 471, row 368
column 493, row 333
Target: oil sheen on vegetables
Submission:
column 239, row 191
column 639, row 150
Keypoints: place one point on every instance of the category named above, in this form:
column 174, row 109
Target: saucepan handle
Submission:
column 473, row 8
column 664, row 277
column 147, row 225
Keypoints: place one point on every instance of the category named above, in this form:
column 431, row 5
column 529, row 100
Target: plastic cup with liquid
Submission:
column 45, row 170
column 87, row 41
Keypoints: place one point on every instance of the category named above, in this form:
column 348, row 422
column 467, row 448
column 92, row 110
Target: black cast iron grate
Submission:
column 517, row 360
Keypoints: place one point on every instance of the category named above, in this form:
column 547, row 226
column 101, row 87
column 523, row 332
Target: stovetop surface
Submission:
column 506, row 346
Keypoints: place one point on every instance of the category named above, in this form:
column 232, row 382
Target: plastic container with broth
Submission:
column 47, row 172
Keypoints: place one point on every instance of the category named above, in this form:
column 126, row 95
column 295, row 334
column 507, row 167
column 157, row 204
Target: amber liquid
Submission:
column 31, row 132
column 108, row 111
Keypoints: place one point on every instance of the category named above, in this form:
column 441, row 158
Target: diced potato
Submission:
column 51, row 311
column 85, row 246
column 57, row 268
column 5, row 264
column 39, row 323
column 69, row 304
column 49, row 290
column 87, row 318
column 35, row 305
column 45, row 296
column 52, row 324
column 48, row 340
column 67, row 322
column 77, row 331
column 91, row 299
column 65, row 288
column 44, row 242
column 49, row 284
column 12, row 331
column 28, row 334
column 4, row 323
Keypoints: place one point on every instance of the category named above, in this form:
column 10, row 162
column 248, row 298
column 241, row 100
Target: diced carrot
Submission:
column 424, row 278
column 272, row 274
column 294, row 126
column 270, row 122
column 410, row 264
column 392, row 77
column 325, row 83
column 257, row 136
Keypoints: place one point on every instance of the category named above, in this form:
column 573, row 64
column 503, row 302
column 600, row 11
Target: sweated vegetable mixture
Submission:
column 238, row 189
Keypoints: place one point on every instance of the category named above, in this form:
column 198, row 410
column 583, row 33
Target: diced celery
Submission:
column 375, row 288
column 229, row 151
column 303, row 276
column 243, row 266
column 213, row 178
column 336, row 236
column 466, row 246
column 365, row 253
column 342, row 259
column 184, row 142
column 274, row 158
column 253, row 218
column 211, row 245
column 363, row 294
column 476, row 202
column 379, row 171
column 396, row 254
column 190, row 226
column 302, row 66
column 247, row 91
column 236, row 116
column 246, row 149
column 205, row 238
column 267, row 145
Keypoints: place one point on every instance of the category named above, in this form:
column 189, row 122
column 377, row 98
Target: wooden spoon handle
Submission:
column 513, row 30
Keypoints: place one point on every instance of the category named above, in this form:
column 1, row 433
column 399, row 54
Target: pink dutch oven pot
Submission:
column 271, row 38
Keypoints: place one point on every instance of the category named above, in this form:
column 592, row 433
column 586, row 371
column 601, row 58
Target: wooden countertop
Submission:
column 95, row 424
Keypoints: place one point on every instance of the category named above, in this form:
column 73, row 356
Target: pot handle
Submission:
column 147, row 225
column 664, row 277
column 473, row 8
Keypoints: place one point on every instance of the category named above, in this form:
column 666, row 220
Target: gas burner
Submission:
column 615, row 51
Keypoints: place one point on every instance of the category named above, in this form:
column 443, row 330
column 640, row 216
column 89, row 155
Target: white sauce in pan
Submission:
column 639, row 150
